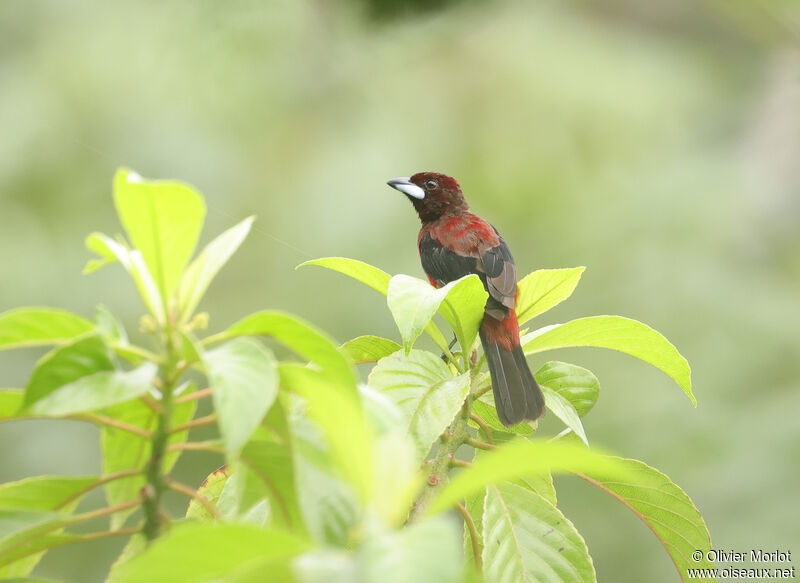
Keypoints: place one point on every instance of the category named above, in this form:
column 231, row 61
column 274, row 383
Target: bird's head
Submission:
column 432, row 194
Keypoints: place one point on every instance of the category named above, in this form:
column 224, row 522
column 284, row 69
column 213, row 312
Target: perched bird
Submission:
column 453, row 242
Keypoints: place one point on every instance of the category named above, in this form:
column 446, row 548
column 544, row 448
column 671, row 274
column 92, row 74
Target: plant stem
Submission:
column 199, row 422
column 213, row 446
column 487, row 431
column 480, row 444
column 197, row 395
column 102, row 480
column 156, row 481
column 195, row 495
column 453, row 438
column 115, row 423
column 474, row 537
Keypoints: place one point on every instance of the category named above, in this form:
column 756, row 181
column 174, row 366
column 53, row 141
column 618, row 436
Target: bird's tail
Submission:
column 516, row 394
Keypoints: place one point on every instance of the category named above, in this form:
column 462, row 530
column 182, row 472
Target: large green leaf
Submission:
column 67, row 364
column 110, row 251
column 425, row 390
column 369, row 348
column 488, row 414
column 123, row 450
column 96, row 391
column 526, row 538
column 40, row 327
column 297, row 335
column 340, row 416
column 200, row 553
column 463, row 309
column 664, row 508
column 429, row 550
column 365, row 273
column 576, row 384
column 615, row 333
column 271, row 462
column 43, row 492
column 521, row 458
column 563, row 409
column 202, row 271
column 210, row 489
column 163, row 220
column 544, row 289
column 329, row 505
column 372, row 277
column 243, row 379
column 11, row 401
column 413, row 302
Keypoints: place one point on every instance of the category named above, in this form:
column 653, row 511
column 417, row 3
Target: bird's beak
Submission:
column 405, row 186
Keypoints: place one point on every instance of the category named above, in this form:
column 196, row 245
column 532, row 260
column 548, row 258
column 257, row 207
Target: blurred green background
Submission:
column 657, row 143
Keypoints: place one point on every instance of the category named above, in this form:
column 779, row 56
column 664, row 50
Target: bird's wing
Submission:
column 443, row 265
column 501, row 273
column 495, row 266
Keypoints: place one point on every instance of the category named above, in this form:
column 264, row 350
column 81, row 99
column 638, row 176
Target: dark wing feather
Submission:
column 443, row 265
column 501, row 279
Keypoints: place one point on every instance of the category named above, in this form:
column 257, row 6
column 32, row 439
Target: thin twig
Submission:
column 102, row 480
column 460, row 463
column 473, row 535
column 487, row 431
column 194, row 495
column 76, row 538
column 201, row 394
column 154, row 405
column 92, row 514
column 199, row 422
column 115, row 423
column 212, row 446
column 480, row 444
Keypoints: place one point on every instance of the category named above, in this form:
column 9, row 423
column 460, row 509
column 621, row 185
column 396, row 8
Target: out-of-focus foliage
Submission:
column 655, row 142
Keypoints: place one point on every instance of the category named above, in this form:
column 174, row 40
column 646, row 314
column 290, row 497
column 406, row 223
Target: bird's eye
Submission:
column 431, row 184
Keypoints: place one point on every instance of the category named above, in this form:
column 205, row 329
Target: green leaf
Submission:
column 615, row 333
column 211, row 488
column 43, row 492
column 202, row 271
column 109, row 326
column 96, row 391
column 10, row 403
column 463, row 309
column 564, row 410
column 244, row 385
column 521, row 458
column 272, row 463
column 163, row 220
column 369, row 348
column 429, row 550
column 67, row 364
column 663, row 507
column 413, row 302
column 297, row 335
column 489, row 415
column 109, row 251
column 22, row 552
column 199, row 553
column 123, row 450
column 365, row 273
column 425, row 390
column 40, row 327
column 576, row 384
column 527, row 539
column 372, row 277
column 329, row 505
column 544, row 289
column 340, row 416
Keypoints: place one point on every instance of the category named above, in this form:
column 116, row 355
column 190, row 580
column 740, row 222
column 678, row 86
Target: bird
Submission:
column 454, row 242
